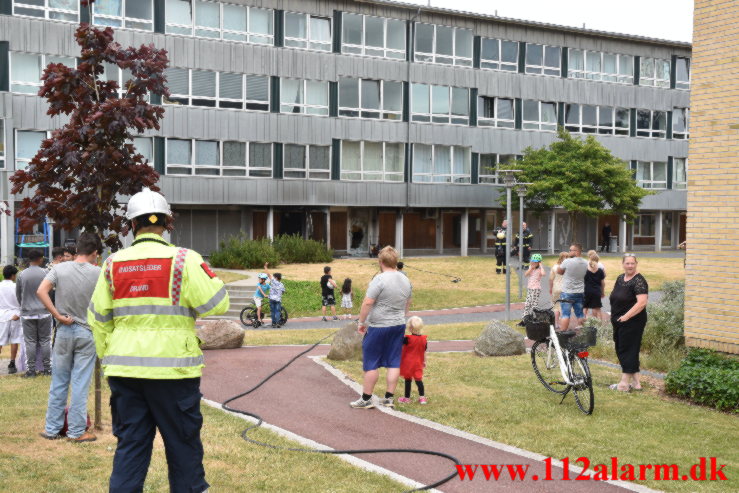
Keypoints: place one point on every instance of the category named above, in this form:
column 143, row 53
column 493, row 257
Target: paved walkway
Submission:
column 309, row 401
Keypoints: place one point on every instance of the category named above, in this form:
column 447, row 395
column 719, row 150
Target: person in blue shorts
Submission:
column 382, row 321
column 573, row 286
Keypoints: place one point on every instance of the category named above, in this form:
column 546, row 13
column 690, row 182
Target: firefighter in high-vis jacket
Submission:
column 500, row 246
column 528, row 239
column 142, row 316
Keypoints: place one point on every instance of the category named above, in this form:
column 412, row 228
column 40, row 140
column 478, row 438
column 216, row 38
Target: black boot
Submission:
column 11, row 367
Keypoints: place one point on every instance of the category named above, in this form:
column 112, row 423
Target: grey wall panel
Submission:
column 668, row 200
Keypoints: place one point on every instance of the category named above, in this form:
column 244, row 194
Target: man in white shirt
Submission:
column 11, row 332
column 573, row 285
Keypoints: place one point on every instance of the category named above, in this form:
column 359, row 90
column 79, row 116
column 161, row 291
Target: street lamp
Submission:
column 509, row 181
column 520, row 191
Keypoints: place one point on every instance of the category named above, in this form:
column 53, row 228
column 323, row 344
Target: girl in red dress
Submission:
column 413, row 360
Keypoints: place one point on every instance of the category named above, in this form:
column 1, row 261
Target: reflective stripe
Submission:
column 179, row 267
column 213, row 302
column 157, row 362
column 108, row 265
column 99, row 317
column 124, row 311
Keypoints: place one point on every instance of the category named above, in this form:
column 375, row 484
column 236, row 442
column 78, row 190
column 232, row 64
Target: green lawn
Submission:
column 501, row 399
column 30, row 463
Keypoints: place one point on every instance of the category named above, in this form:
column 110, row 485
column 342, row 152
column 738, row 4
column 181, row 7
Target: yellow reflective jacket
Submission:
column 143, row 310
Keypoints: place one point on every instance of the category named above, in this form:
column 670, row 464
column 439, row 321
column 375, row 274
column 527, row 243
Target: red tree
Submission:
column 79, row 174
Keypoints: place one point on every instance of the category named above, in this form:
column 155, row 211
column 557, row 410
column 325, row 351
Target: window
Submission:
column 644, row 226
column 594, row 65
column 679, row 173
column 372, row 161
column 680, row 123
column 304, row 96
column 133, row 14
column 214, row 89
column 213, row 158
column 651, row 124
column 590, row 119
column 440, row 104
column 543, row 59
column 307, row 31
column 60, row 10
column 489, row 164
column 27, row 144
column 498, row 54
column 442, row 44
column 538, row 115
column 2, row 143
column 654, row 72
column 365, row 98
column 307, row 161
column 682, row 73
column 26, row 70
column 373, row 36
column 220, row 21
column 145, row 147
column 441, row 164
column 651, row 174
column 495, row 112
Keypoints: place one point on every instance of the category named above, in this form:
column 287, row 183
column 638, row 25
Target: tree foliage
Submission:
column 581, row 176
column 78, row 175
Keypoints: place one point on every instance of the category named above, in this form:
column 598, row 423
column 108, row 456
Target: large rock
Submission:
column 497, row 339
column 347, row 344
column 221, row 334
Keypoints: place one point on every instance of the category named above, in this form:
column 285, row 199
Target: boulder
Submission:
column 347, row 344
column 221, row 334
column 498, row 339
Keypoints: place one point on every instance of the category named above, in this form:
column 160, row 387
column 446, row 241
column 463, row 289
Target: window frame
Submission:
column 47, row 11
column 364, row 174
column 651, row 183
column 485, row 176
column 638, row 226
column 538, row 124
column 598, row 128
column 361, row 49
column 252, row 37
column 679, row 184
column 309, row 42
column 495, row 121
column 43, row 64
column 683, row 85
column 3, row 147
column 246, row 103
column 600, row 75
column 651, row 132
column 307, row 171
column 303, row 105
column 455, row 59
column 361, row 111
column 192, row 167
column 450, row 117
column 486, row 63
column 123, row 19
column 531, row 69
column 654, row 81
column 46, row 133
column 685, row 134
column 452, row 178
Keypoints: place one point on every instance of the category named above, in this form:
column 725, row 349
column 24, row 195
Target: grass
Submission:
column 227, row 276
column 637, row 428
column 231, row 464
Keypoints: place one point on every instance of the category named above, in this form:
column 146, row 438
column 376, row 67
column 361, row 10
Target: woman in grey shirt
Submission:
column 382, row 321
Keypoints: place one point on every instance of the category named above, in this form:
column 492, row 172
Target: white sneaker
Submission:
column 362, row 404
column 387, row 402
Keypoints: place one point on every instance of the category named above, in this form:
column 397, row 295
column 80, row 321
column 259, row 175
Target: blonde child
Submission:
column 347, row 296
column 413, row 360
column 555, row 287
column 535, row 274
column 595, row 285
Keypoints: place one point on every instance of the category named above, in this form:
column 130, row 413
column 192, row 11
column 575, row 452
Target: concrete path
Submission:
column 313, row 403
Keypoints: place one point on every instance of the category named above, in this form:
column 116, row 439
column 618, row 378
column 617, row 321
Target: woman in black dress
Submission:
column 629, row 316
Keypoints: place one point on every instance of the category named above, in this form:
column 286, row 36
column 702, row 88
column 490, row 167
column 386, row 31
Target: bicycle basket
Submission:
column 565, row 337
column 537, row 331
column 585, row 337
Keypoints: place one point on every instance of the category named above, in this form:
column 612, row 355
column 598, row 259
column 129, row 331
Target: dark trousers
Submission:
column 500, row 263
column 275, row 307
column 604, row 246
column 140, row 406
column 627, row 340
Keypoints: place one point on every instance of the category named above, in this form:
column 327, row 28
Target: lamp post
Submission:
column 509, row 181
column 520, row 191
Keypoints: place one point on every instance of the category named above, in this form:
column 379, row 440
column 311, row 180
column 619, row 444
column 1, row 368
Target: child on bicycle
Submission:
column 535, row 274
column 261, row 293
column 347, row 298
column 276, row 289
column 413, row 360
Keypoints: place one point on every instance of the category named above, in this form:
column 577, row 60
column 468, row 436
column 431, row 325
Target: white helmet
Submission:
column 147, row 202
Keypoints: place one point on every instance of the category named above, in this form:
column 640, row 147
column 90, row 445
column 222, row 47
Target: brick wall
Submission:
column 712, row 271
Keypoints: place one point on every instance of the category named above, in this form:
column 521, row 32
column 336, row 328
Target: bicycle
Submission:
column 248, row 315
column 560, row 360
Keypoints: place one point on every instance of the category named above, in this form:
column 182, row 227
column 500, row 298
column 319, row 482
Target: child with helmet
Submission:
column 535, row 275
column 261, row 293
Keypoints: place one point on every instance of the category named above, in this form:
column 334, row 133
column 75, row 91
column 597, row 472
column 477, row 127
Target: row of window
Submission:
column 364, row 35
column 360, row 161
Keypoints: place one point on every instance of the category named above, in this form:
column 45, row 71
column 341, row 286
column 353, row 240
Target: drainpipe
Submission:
column 408, row 80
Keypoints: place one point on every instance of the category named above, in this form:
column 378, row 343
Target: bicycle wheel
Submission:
column 247, row 316
column 546, row 366
column 283, row 316
column 582, row 384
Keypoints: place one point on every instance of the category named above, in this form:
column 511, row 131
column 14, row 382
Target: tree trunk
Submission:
column 573, row 226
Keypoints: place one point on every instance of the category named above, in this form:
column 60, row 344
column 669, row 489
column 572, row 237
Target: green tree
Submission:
column 581, row 176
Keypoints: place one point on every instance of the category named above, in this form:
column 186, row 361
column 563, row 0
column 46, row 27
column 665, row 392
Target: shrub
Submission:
column 664, row 331
column 237, row 252
column 707, row 378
